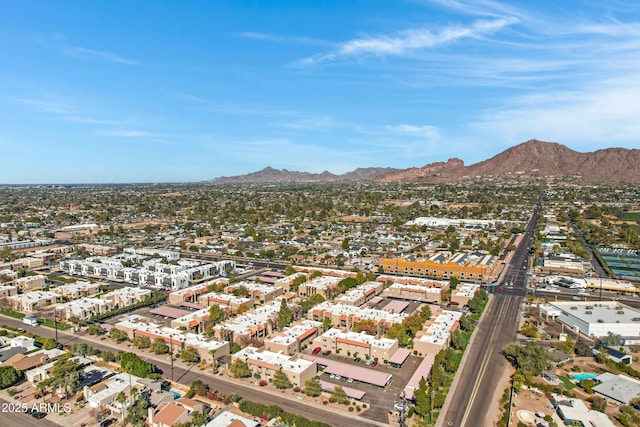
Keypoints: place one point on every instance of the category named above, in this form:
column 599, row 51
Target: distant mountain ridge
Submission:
column 531, row 159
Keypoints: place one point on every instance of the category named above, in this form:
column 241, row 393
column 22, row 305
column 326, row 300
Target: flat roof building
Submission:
column 294, row 338
column 32, row 301
column 595, row 319
column 345, row 316
column 84, row 308
column 77, row 290
column 267, row 363
column 361, row 294
column 435, row 335
column 354, row 344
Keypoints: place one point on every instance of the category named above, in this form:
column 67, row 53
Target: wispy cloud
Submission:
column 310, row 122
column 130, row 133
column 46, row 106
column 480, row 8
column 84, row 53
column 275, row 38
column 408, row 41
column 430, row 132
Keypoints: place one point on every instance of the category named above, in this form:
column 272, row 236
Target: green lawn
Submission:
column 568, row 384
column 11, row 313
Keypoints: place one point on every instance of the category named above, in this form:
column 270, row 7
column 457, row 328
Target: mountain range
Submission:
column 530, row 160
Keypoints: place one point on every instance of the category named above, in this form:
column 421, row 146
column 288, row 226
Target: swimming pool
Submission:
column 584, row 376
column 175, row 393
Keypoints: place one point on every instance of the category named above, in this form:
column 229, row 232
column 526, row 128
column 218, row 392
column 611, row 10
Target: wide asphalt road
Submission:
column 473, row 397
column 185, row 376
column 471, row 400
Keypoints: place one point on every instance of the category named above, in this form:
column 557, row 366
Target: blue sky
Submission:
column 139, row 91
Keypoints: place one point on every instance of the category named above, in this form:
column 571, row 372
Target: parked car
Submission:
column 357, row 360
column 374, row 364
column 38, row 415
column 369, row 362
column 107, row 422
column 326, row 352
column 349, row 380
column 316, row 350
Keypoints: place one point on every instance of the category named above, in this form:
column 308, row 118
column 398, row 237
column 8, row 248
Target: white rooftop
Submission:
column 294, row 332
column 438, row 332
column 360, row 312
column 598, row 312
column 251, row 354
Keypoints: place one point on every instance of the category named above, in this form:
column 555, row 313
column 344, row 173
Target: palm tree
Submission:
column 121, row 398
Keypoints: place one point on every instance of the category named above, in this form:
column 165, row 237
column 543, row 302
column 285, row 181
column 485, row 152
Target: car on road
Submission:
column 21, row 330
column 500, row 288
column 316, row 350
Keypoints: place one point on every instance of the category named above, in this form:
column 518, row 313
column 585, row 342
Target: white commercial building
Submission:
column 595, row 319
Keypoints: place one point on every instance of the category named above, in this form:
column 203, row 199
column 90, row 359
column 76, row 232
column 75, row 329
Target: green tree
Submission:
column 5, row 253
column 65, row 376
column 158, row 346
column 598, row 403
column 422, row 396
column 239, row 369
column 190, row 354
column 50, row 343
column 281, row 380
column 9, row 376
column 339, row 395
column 117, row 335
column 312, row 387
column 289, row 270
column 285, row 316
column 216, row 314
column 530, row 357
column 134, row 365
column 425, row 313
column 94, row 329
column 454, row 282
column 121, row 398
column 141, row 341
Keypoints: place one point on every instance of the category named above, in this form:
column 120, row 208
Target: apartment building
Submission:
column 83, row 308
column 30, row 262
column 126, row 296
column 194, row 321
column 192, row 293
column 32, row 301
column 345, row 316
column 414, row 292
column 257, row 291
column 324, row 286
column 258, row 324
column 8, row 291
column 436, row 332
column 361, row 294
column 477, row 266
column 294, row 338
column 159, row 253
column 287, row 283
column 463, row 293
column 266, row 364
column 208, row 349
column 225, row 300
column 354, row 344
column 30, row 283
column 77, row 290
column 99, row 249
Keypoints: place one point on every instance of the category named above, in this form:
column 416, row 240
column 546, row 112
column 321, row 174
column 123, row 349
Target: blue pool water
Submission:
column 176, row 394
column 584, row 376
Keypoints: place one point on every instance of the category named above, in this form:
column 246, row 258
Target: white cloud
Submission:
column 408, row 41
column 130, row 133
column 602, row 114
column 430, row 132
column 83, row 53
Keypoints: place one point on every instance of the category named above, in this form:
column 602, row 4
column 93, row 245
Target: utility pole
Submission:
column 55, row 322
column 171, row 355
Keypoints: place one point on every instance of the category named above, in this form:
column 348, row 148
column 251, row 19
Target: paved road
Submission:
column 12, row 419
column 472, row 396
column 186, row 376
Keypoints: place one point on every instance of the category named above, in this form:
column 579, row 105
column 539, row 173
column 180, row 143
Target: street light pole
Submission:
column 171, row 355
